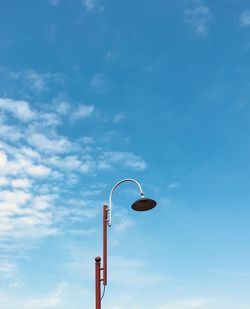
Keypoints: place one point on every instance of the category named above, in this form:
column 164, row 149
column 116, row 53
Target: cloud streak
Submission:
column 36, row 81
column 82, row 112
column 19, row 109
column 89, row 5
column 198, row 17
column 123, row 159
column 245, row 18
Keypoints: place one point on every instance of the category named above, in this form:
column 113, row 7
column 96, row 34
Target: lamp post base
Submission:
column 98, row 282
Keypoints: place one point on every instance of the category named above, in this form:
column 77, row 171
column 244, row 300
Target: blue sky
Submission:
column 94, row 91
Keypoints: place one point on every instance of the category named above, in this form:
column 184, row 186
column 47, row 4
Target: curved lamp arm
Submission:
column 109, row 220
column 141, row 204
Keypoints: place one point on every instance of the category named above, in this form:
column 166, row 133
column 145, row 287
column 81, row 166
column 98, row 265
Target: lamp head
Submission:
column 143, row 204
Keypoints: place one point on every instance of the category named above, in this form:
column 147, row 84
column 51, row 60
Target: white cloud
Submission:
column 47, row 301
column 245, row 18
column 119, row 117
column 68, row 162
column 20, row 109
column 123, row 224
column 58, row 297
column 63, row 107
column 48, row 119
column 3, row 180
column 54, row 2
column 198, row 17
column 72, row 179
column 42, row 202
column 37, row 170
column 3, row 161
column 174, row 185
column 83, row 111
column 7, row 267
column 187, row 303
column 10, row 133
column 21, row 183
column 88, row 166
column 87, row 140
column 14, row 197
column 123, row 159
column 98, row 81
column 35, row 80
column 231, row 273
column 23, row 215
column 165, row 201
column 82, row 232
column 20, row 165
column 30, row 153
column 56, row 144
column 39, row 166
column 20, row 217
column 89, row 5
column 73, row 163
column 134, row 272
column 110, row 55
column 92, row 192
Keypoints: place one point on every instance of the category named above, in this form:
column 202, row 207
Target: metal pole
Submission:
column 98, row 282
column 105, row 223
column 98, row 268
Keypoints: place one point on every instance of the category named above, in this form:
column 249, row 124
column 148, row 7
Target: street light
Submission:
column 142, row 204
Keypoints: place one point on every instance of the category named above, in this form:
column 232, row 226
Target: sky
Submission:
column 95, row 91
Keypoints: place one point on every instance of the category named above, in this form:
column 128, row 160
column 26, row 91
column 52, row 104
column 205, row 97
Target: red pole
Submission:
column 98, row 268
column 105, row 216
column 98, row 282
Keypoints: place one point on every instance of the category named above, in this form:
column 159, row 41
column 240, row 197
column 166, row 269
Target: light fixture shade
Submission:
column 144, row 204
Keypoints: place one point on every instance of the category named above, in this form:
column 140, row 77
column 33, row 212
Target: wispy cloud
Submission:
column 25, row 212
column 12, row 134
column 165, row 201
column 39, row 165
column 74, row 112
column 134, row 272
column 63, row 107
column 123, row 223
column 174, row 185
column 37, row 81
column 82, row 112
column 47, row 301
column 21, row 183
column 68, row 162
column 16, row 164
column 21, row 216
column 231, row 273
column 51, row 144
column 54, row 2
column 7, row 267
column 199, row 17
column 111, row 55
column 245, row 18
column 19, row 109
column 123, row 159
column 119, row 117
column 81, row 232
column 57, row 297
column 3, row 180
column 187, row 303
column 89, row 5
column 98, row 81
